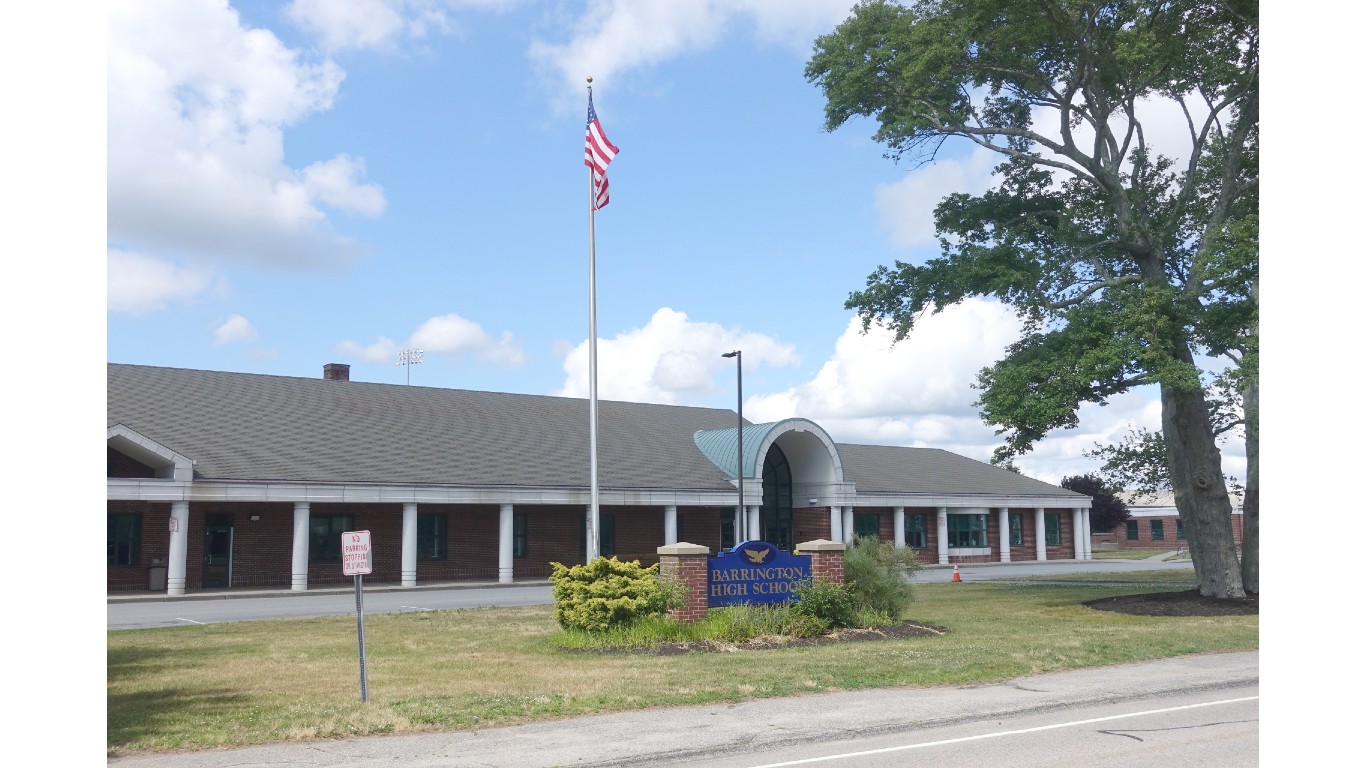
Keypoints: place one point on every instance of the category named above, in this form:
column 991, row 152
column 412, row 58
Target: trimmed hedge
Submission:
column 605, row 593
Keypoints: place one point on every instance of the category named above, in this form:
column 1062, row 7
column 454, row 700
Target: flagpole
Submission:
column 591, row 525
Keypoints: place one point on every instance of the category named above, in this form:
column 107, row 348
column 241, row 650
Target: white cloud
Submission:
column 382, row 350
column 234, row 330
column 868, row 381
column 138, row 284
column 379, row 24
column 906, row 207
column 197, row 107
column 613, row 36
column 446, row 334
column 453, row 334
column 670, row 360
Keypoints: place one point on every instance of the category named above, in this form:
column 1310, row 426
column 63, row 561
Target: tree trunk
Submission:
column 1201, row 497
column 1251, row 535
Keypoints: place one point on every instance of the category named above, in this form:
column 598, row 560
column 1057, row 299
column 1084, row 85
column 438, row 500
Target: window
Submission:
column 1157, row 530
column 866, row 524
column 324, row 537
column 1016, row 529
column 915, row 531
column 1052, row 529
column 1180, row 530
column 607, row 535
column 728, row 528
column 431, row 537
column 1131, row 530
column 519, row 535
column 968, row 531
column 125, row 538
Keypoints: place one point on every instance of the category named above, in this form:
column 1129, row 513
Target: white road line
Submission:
column 192, row 621
column 848, row 755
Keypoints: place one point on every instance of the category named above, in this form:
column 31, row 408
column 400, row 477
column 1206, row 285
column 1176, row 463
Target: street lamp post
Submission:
column 740, row 440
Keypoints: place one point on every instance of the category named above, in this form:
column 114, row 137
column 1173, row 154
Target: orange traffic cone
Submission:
column 956, row 577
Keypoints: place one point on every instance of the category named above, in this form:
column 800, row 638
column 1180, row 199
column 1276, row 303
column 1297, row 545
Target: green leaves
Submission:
column 605, row 593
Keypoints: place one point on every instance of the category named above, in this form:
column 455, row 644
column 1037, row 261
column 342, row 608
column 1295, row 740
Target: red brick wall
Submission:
column 691, row 571
column 120, row 465
column 155, row 542
column 700, row 525
column 810, row 524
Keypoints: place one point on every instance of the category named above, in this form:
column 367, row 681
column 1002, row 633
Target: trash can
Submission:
column 156, row 576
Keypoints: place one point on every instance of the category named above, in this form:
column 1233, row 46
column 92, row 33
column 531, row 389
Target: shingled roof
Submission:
column 240, row 426
column 260, row 428
column 895, row 470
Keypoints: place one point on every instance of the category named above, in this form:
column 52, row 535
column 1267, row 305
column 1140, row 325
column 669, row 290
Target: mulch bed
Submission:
column 1187, row 603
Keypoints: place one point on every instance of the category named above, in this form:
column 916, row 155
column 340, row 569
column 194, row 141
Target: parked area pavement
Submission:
column 746, row 733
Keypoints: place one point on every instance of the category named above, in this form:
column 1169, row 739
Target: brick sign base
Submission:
column 686, row 564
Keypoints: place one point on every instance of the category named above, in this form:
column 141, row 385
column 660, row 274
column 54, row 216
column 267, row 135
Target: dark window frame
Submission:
column 861, row 524
column 969, row 531
column 431, row 545
column 1016, row 523
column 916, row 536
column 324, row 536
column 1052, row 527
column 125, row 538
column 1155, row 530
column 519, row 535
column 1131, row 530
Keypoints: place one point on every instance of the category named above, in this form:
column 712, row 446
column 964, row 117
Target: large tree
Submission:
column 1118, row 253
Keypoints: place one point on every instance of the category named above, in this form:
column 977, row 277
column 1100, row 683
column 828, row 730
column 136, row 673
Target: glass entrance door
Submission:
column 218, row 551
column 775, row 517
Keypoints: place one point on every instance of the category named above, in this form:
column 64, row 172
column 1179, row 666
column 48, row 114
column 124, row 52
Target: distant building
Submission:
column 1155, row 524
column 230, row 480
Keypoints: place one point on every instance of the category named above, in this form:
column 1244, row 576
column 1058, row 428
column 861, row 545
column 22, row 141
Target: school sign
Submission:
column 754, row 572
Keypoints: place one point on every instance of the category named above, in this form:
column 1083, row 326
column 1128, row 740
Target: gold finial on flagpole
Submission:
column 590, row 79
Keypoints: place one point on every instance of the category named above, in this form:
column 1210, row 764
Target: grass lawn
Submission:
column 256, row 682
column 1172, row 578
column 1128, row 554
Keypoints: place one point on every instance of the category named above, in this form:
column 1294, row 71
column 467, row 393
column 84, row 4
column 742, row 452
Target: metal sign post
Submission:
column 356, row 561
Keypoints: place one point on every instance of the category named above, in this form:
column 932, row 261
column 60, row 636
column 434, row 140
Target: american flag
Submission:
column 597, row 153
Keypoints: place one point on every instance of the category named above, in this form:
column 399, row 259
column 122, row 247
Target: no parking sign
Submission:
column 356, row 558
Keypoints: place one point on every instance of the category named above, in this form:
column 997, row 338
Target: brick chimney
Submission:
column 337, row 372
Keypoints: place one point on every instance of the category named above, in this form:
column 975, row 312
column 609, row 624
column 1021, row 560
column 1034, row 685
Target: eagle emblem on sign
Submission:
column 756, row 556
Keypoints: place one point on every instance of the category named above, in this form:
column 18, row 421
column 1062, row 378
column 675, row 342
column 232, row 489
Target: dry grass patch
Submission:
column 257, row 682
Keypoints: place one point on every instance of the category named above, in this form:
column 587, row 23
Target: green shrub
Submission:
column 876, row 574
column 826, row 601
column 799, row 624
column 606, row 593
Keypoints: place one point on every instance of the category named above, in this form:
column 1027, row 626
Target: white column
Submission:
column 505, row 544
column 1040, row 541
column 1078, row 549
column 739, row 526
column 1086, row 531
column 899, row 525
column 836, row 524
column 298, row 574
column 408, row 562
column 180, row 537
column 847, row 527
column 1005, row 534
column 670, row 524
column 941, row 521
column 753, row 529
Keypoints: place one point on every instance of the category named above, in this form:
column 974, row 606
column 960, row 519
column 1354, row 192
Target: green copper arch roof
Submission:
column 718, row 445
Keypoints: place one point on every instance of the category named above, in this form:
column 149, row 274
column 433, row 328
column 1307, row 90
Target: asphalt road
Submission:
column 145, row 611
column 1174, row 713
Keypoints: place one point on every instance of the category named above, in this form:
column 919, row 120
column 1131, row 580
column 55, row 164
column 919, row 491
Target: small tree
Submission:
column 1107, row 510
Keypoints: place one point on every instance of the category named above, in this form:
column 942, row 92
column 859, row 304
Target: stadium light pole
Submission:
column 740, row 439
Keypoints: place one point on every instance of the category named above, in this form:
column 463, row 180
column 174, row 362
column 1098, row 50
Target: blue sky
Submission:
column 293, row 184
